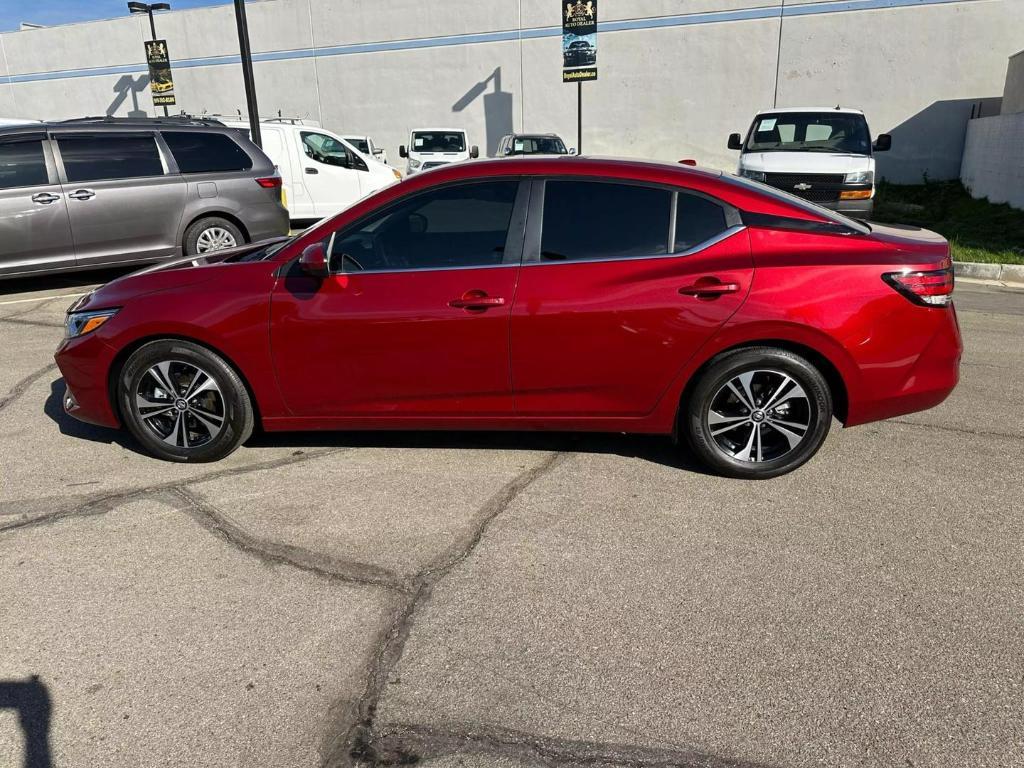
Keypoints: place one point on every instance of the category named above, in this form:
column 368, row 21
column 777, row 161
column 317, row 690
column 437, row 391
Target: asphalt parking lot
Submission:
column 512, row 600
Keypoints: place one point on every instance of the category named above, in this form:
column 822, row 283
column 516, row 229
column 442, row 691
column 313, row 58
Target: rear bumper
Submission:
column 266, row 221
column 84, row 363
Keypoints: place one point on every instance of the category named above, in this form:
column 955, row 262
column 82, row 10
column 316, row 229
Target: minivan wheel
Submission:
column 758, row 413
column 183, row 402
column 211, row 234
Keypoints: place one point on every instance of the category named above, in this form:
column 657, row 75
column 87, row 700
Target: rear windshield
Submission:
column 438, row 141
column 798, row 202
column 841, row 132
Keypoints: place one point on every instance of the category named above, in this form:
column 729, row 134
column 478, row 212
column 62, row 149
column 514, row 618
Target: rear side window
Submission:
column 22, row 164
column 599, row 220
column 197, row 152
column 697, row 220
column 98, row 157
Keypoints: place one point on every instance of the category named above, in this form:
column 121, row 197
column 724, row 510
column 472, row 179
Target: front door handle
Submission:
column 312, row 171
column 476, row 301
column 82, row 194
column 709, row 288
column 45, row 198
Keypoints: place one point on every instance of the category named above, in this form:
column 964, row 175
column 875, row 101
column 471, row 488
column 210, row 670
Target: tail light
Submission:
column 270, row 182
column 933, row 288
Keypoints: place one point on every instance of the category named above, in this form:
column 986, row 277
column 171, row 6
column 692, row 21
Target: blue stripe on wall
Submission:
column 688, row 19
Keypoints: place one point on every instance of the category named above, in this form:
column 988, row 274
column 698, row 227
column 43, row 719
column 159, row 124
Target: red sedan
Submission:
column 558, row 294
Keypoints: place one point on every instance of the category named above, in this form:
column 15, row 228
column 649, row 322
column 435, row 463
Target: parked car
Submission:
column 579, row 53
column 95, row 192
column 820, row 154
column 433, row 147
column 366, row 146
column 322, row 172
column 533, row 294
column 532, row 144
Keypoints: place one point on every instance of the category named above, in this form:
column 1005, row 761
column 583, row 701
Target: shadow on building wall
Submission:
column 497, row 109
column 126, row 87
column 31, row 699
column 931, row 142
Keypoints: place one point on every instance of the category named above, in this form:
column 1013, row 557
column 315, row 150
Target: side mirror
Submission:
column 402, row 151
column 572, row 150
column 883, row 142
column 474, row 152
column 508, row 151
column 313, row 261
column 735, row 141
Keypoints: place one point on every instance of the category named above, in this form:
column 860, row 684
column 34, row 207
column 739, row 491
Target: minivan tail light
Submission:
column 270, row 182
column 933, row 288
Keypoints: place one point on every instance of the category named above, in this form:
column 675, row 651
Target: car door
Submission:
column 35, row 232
column 413, row 320
column 123, row 202
column 331, row 173
column 620, row 285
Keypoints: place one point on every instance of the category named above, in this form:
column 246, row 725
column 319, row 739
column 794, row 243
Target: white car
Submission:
column 822, row 154
column 365, row 145
column 322, row 173
column 431, row 147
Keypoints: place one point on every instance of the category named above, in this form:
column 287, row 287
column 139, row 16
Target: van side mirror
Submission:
column 735, row 141
column 572, row 150
column 508, row 151
column 313, row 261
column 883, row 142
column 402, row 151
column 474, row 151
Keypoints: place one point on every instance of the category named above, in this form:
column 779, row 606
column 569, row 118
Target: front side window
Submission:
column 197, row 152
column 329, row 151
column 438, row 141
column 697, row 221
column 600, row 220
column 99, row 157
column 463, row 225
column 22, row 164
column 842, row 132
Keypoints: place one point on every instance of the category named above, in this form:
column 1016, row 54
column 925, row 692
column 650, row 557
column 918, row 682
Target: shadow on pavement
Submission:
column 38, row 283
column 31, row 699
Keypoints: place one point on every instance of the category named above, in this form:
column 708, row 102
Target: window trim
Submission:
column 511, row 257
column 535, row 222
column 56, row 136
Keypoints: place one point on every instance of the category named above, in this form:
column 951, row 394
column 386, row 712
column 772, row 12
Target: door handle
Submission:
column 476, row 301
column 312, row 171
column 45, row 198
column 82, row 194
column 708, row 289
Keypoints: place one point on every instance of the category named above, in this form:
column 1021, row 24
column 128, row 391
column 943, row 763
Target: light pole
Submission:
column 247, row 78
column 148, row 9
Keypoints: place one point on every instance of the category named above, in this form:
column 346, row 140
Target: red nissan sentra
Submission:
column 557, row 294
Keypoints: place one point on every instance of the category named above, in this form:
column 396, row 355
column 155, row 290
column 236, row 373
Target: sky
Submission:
column 50, row 12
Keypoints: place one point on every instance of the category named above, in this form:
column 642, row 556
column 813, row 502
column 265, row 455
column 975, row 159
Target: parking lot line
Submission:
column 43, row 298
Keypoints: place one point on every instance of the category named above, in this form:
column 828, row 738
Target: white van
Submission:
column 431, row 147
column 323, row 174
column 821, row 154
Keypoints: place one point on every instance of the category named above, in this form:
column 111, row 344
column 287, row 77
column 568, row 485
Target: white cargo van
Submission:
column 821, row 154
column 323, row 174
column 431, row 147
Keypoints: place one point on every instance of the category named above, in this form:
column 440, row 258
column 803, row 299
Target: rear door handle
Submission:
column 709, row 289
column 476, row 300
column 82, row 194
column 45, row 198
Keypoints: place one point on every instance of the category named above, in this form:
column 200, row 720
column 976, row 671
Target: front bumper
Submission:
column 85, row 362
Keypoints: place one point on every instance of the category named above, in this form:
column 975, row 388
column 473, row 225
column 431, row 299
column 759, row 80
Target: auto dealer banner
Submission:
column 579, row 41
column 160, row 83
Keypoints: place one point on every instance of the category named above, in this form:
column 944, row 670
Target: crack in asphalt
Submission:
column 401, row 744
column 35, row 323
column 34, row 307
column 353, row 742
column 22, row 386
column 958, row 430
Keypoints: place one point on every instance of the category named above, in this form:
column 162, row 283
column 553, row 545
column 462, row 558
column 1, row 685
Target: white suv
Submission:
column 431, row 147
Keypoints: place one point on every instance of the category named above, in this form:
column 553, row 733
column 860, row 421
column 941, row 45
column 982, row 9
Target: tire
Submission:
column 209, row 415
column 211, row 234
column 757, row 442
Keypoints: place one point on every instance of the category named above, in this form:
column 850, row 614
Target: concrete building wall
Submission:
column 993, row 163
column 1013, row 90
column 675, row 78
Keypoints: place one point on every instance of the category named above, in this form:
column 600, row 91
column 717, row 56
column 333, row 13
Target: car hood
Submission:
column 174, row 273
column 805, row 162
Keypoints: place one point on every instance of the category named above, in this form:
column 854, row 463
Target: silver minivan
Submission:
column 97, row 192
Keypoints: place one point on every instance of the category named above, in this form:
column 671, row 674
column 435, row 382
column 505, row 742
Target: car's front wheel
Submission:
column 183, row 402
column 758, row 413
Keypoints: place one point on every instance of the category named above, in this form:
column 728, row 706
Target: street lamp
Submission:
column 148, row 9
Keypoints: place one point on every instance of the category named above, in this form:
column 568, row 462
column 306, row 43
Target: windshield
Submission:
column 538, row 145
column 809, row 132
column 438, row 141
column 361, row 144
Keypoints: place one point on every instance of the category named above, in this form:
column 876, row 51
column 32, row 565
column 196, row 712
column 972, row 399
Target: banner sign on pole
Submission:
column 579, row 40
column 161, row 85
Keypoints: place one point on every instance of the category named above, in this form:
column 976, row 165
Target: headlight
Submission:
column 414, row 163
column 860, row 177
column 81, row 323
column 755, row 175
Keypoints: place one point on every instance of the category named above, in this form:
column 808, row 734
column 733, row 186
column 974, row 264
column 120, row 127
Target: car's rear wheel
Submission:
column 758, row 413
column 211, row 234
column 183, row 402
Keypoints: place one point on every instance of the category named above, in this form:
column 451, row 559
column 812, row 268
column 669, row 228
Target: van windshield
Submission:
column 438, row 141
column 841, row 132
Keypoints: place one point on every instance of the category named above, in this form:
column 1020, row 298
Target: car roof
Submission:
column 840, row 110
column 533, row 135
column 438, row 130
column 120, row 124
